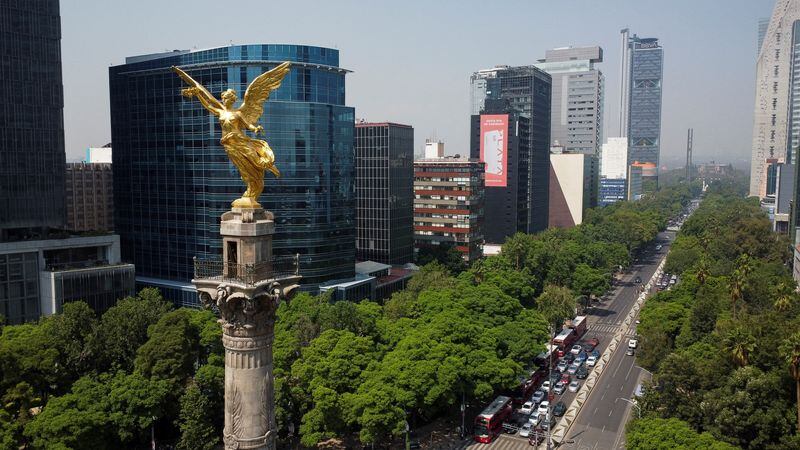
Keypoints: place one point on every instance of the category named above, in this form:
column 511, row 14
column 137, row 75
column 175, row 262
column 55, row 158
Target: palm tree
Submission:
column 702, row 270
column 739, row 344
column 790, row 350
column 785, row 297
column 739, row 281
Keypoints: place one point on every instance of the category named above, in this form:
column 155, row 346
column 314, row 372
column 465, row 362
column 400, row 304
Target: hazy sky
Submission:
column 411, row 60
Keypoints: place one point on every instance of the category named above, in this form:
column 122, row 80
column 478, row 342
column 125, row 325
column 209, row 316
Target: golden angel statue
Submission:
column 251, row 156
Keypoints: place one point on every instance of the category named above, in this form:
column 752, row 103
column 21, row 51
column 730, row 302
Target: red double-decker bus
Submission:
column 489, row 422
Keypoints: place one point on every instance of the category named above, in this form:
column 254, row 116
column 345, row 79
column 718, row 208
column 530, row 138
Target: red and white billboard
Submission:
column 494, row 148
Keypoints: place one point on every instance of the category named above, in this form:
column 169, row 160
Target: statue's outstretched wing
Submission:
column 258, row 92
column 199, row 89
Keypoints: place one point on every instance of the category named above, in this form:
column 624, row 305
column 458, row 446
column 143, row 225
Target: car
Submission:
column 534, row 419
column 560, row 388
column 538, row 396
column 545, row 425
column 658, row 247
column 582, row 373
column 566, row 378
column 527, row 407
column 569, row 357
column 591, row 361
column 639, row 392
column 543, row 407
column 633, row 343
column 574, row 386
column 562, row 365
column 573, row 368
column 537, row 437
column 525, row 430
column 545, row 386
column 595, row 353
column 576, row 349
column 637, row 280
column 559, row 409
column 593, row 341
column 581, row 358
column 629, row 351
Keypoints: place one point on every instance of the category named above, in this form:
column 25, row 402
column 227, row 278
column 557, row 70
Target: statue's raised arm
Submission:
column 258, row 92
column 197, row 90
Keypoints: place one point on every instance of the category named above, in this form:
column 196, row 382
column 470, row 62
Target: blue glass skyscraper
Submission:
column 173, row 180
column 644, row 100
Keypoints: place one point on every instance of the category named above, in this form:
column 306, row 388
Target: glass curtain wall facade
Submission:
column 507, row 208
column 644, row 117
column 173, row 180
column 384, row 183
column 32, row 157
column 528, row 91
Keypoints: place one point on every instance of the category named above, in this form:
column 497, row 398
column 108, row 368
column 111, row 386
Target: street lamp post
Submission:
column 638, row 408
column 463, row 411
column 408, row 444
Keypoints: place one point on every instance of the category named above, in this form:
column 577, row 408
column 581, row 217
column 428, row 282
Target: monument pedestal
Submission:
column 246, row 286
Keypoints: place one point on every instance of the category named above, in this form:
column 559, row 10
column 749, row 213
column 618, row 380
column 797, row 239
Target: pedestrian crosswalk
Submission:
column 603, row 328
column 502, row 442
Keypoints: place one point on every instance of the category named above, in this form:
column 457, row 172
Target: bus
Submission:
column 489, row 422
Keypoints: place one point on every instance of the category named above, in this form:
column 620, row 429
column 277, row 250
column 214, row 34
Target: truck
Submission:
column 579, row 324
column 489, row 422
column 564, row 340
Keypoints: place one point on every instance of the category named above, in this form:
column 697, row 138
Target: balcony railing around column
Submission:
column 246, row 274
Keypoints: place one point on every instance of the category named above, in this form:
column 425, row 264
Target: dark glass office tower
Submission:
column 172, row 179
column 384, row 197
column 644, row 101
column 32, row 158
column 528, row 91
column 506, row 206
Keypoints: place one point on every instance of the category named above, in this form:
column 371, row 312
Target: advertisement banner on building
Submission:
column 494, row 148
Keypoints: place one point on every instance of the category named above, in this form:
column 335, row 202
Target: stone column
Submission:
column 246, row 286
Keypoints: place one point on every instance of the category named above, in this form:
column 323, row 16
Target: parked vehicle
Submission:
column 582, row 373
column 581, row 358
column 564, row 340
column 630, row 351
column 560, row 388
column 591, row 361
column 638, row 280
column 639, row 392
column 559, row 409
column 566, row 378
column 538, row 396
column 632, row 343
column 593, row 341
column 574, row 386
column 545, row 386
column 595, row 353
column 573, row 368
column 576, row 349
column 489, row 422
column 562, row 365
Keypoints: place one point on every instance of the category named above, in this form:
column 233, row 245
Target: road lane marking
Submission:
column 629, row 373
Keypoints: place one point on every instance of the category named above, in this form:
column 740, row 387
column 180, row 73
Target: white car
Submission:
column 658, row 247
column 591, row 361
column 574, row 386
column 525, row 430
column 527, row 407
column 543, row 407
column 632, row 343
column 545, row 386
column 576, row 349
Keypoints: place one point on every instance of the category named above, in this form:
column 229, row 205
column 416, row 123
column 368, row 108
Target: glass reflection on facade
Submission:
column 32, row 154
column 644, row 123
column 172, row 179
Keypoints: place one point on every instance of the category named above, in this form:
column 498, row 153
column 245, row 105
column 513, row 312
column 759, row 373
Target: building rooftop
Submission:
column 381, row 124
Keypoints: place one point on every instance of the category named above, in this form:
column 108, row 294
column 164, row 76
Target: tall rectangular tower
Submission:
column 173, row 180
column 32, row 158
column 576, row 118
column 527, row 90
column 384, row 184
column 499, row 137
column 644, row 101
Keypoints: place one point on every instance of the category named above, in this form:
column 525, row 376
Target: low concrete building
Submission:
column 373, row 281
column 37, row 277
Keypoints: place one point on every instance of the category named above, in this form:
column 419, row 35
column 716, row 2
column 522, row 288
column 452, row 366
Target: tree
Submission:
column 123, row 329
column 739, row 344
column 739, row 281
column 201, row 407
column 556, row 304
column 790, row 350
column 667, row 434
column 171, row 349
column 590, row 282
column 785, row 297
column 445, row 254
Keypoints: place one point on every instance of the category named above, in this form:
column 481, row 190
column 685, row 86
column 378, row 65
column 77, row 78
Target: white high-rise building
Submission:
column 434, row 149
column 614, row 158
column 776, row 118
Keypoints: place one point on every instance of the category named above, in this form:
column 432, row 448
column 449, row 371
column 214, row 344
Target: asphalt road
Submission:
column 600, row 425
